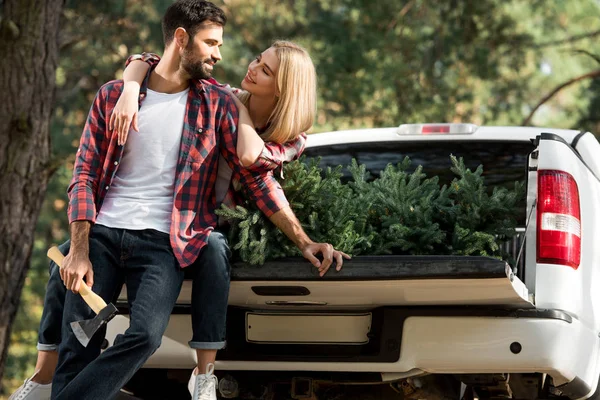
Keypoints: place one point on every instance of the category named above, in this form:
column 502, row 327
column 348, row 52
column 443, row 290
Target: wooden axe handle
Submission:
column 92, row 299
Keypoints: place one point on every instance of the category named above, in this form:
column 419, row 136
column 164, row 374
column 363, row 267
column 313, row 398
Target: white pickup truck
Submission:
column 429, row 327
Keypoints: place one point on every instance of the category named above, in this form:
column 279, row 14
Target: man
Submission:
column 138, row 214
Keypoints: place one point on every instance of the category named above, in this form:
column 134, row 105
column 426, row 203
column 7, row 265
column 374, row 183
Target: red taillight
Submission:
column 558, row 219
column 437, row 129
column 429, row 129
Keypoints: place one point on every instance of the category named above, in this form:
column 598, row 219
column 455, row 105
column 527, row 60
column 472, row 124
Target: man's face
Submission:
column 202, row 52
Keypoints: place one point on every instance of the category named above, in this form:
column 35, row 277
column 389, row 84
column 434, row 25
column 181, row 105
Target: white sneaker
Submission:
column 203, row 386
column 31, row 390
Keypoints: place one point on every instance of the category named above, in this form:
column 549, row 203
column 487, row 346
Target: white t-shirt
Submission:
column 141, row 194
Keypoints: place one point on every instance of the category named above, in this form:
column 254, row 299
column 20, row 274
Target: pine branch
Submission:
column 570, row 39
column 587, row 53
column 589, row 75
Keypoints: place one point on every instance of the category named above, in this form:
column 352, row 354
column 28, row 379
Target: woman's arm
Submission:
column 275, row 154
column 125, row 112
column 257, row 155
column 249, row 144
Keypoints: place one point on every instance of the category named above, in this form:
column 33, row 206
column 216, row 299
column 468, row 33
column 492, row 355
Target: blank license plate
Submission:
column 308, row 328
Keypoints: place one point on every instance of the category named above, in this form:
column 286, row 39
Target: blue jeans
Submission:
column 210, row 292
column 144, row 261
column 50, row 325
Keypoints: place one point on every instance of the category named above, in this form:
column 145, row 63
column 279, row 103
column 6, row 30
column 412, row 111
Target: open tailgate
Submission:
column 372, row 281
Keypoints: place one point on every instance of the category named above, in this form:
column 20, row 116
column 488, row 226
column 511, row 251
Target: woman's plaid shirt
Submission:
column 210, row 129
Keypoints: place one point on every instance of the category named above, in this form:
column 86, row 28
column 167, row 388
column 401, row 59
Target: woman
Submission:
column 277, row 104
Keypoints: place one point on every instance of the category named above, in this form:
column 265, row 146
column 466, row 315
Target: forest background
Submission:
column 380, row 63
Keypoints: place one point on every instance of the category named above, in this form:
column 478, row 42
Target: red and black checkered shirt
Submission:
column 209, row 129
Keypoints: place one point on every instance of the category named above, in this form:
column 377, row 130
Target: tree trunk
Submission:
column 29, row 57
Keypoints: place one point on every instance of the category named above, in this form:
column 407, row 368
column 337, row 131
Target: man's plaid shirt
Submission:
column 209, row 129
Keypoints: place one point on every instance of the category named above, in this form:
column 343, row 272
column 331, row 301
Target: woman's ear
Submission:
column 181, row 37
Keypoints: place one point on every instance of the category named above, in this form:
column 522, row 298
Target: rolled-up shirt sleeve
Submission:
column 149, row 58
column 273, row 155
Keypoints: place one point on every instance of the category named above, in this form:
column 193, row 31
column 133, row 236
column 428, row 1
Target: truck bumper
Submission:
column 446, row 344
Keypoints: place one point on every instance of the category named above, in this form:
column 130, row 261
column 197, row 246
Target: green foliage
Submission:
column 480, row 220
column 403, row 206
column 399, row 213
column 420, row 60
column 330, row 211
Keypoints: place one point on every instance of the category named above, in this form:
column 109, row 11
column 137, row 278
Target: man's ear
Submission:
column 181, row 38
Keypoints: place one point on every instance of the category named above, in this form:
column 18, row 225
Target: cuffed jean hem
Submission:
column 207, row 345
column 47, row 347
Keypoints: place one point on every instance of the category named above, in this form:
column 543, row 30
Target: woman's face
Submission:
column 261, row 78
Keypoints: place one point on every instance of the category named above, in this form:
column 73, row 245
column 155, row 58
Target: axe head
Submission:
column 85, row 330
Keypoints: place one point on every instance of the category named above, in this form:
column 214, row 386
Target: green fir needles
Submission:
column 401, row 212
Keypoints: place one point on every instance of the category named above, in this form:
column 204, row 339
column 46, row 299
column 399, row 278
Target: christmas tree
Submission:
column 400, row 212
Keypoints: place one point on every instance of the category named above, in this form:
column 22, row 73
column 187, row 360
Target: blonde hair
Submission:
column 296, row 107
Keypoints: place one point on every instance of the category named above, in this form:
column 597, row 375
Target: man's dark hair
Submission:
column 190, row 15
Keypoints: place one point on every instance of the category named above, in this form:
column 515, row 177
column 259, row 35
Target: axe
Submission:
column 84, row 330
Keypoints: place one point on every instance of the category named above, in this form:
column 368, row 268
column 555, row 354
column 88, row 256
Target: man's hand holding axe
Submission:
column 76, row 266
column 73, row 268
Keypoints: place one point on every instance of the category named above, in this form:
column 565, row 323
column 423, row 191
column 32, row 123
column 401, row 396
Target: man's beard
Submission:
column 196, row 69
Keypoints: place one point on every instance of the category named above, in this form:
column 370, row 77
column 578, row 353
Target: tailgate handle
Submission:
column 295, row 303
column 280, row 290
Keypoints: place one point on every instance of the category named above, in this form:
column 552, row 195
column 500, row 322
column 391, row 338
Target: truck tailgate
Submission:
column 371, row 281
column 378, row 281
